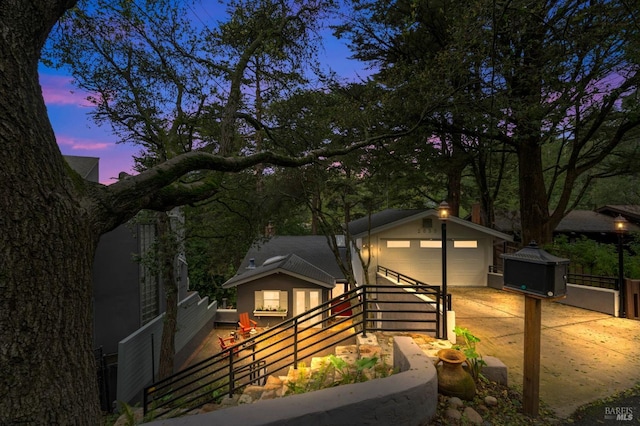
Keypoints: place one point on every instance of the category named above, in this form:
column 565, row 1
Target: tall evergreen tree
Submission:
column 523, row 76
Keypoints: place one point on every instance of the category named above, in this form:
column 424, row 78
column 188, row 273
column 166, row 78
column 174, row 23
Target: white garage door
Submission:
column 465, row 261
column 466, row 265
column 418, row 263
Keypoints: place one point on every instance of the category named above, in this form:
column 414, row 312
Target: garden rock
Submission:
column 455, row 402
column 472, row 416
column 491, row 401
column 245, row 399
column 452, row 414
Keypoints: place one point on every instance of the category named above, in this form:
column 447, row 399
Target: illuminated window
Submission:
column 465, row 244
column 271, row 299
column 431, row 244
column 398, row 244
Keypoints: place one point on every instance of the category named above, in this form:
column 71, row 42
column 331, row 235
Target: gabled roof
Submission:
column 86, row 167
column 587, row 221
column 311, row 248
column 391, row 218
column 629, row 211
column 291, row 265
column 360, row 226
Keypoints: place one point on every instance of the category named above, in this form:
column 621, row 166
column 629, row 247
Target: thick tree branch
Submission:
column 157, row 188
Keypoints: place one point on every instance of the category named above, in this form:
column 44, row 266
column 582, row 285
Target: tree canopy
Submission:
column 551, row 84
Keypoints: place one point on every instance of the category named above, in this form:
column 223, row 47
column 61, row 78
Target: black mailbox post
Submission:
column 535, row 271
column 537, row 275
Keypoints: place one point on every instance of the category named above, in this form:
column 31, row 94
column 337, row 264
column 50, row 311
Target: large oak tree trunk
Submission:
column 47, row 243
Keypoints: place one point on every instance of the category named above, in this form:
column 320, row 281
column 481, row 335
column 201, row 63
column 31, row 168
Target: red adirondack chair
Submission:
column 246, row 324
column 226, row 342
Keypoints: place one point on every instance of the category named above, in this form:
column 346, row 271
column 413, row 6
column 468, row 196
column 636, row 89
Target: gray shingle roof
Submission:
column 291, row 264
column 382, row 218
column 630, row 211
column 311, row 248
column 589, row 221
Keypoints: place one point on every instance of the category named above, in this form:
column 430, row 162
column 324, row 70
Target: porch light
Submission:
column 620, row 225
column 443, row 210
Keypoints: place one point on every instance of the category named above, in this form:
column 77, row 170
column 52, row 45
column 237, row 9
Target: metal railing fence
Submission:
column 381, row 307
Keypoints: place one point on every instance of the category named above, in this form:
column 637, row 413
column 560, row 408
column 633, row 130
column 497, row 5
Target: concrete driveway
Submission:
column 585, row 355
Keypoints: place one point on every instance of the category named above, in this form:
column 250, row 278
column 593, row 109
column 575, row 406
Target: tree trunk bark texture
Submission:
column 166, row 262
column 534, row 207
column 47, row 244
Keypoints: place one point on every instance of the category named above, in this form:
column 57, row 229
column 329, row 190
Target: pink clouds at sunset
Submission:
column 81, row 144
column 76, row 133
column 58, row 90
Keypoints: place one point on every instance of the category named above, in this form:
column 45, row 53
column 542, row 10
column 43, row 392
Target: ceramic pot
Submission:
column 453, row 379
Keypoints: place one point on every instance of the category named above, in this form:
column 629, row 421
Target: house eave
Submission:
column 434, row 213
column 253, row 277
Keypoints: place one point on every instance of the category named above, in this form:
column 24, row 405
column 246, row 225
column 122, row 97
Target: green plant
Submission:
column 342, row 368
column 336, row 372
column 474, row 359
column 128, row 412
column 364, row 364
column 299, row 385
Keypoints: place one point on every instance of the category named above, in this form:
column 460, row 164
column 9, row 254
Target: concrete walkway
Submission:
column 585, row 355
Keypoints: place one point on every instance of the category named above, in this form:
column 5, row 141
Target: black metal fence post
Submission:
column 153, row 361
column 295, row 344
column 365, row 312
column 232, row 378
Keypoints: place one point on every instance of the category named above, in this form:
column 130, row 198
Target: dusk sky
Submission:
column 78, row 135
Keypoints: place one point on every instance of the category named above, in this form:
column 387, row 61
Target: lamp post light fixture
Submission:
column 620, row 224
column 443, row 211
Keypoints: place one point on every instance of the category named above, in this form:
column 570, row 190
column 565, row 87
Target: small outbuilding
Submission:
column 280, row 287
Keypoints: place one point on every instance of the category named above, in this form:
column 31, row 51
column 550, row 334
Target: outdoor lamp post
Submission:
column 443, row 210
column 620, row 224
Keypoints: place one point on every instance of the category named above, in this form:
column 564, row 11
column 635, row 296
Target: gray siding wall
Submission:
column 116, row 298
column 135, row 368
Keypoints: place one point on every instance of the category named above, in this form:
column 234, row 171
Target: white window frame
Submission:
column 281, row 309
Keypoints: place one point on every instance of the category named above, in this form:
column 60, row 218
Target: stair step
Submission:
column 273, row 382
column 370, row 351
column 276, row 386
column 318, row 363
column 347, row 350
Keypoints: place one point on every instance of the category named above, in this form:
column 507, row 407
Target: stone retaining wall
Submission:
column 406, row 398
